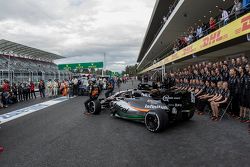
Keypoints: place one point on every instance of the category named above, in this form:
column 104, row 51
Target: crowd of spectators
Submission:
column 194, row 34
column 24, row 91
column 216, row 85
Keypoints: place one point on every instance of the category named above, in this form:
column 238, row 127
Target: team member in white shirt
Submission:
column 49, row 88
column 55, row 88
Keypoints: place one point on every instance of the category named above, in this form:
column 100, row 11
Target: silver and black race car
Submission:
column 156, row 110
column 144, row 86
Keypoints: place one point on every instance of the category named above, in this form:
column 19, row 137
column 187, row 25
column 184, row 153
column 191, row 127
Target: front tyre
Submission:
column 156, row 120
column 95, row 107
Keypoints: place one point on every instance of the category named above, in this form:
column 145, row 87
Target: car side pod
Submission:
column 156, row 120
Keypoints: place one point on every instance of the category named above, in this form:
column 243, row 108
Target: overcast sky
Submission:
column 81, row 30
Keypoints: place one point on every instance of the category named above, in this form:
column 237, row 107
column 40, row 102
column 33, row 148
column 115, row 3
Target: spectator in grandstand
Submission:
column 190, row 38
column 236, row 10
column 175, row 48
column 199, row 32
column 204, row 29
column 246, row 4
column 41, row 87
column 193, row 33
column 164, row 19
column 183, row 42
column 32, row 90
column 212, row 24
column 224, row 16
column 171, row 8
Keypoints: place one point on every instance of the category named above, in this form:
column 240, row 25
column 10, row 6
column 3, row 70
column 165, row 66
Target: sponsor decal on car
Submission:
column 151, row 106
column 153, row 102
column 175, row 105
column 167, row 98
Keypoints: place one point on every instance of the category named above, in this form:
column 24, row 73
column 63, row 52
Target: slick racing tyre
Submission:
column 95, row 107
column 156, row 120
column 187, row 115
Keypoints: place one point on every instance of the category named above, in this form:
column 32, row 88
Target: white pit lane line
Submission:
column 31, row 109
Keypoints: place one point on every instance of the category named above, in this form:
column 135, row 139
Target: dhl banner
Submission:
column 235, row 29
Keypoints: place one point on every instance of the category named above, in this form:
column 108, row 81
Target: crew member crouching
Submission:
column 94, row 92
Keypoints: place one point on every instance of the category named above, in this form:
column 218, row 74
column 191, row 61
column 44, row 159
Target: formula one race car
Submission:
column 156, row 112
column 144, row 86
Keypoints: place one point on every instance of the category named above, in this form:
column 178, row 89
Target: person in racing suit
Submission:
column 110, row 88
column 94, row 91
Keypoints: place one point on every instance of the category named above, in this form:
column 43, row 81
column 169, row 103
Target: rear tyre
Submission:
column 95, row 107
column 187, row 115
column 156, row 120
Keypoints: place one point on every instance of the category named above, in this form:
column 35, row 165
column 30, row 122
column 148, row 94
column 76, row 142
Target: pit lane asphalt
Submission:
column 61, row 136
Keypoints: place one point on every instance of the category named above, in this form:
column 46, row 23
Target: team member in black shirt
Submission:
column 220, row 101
column 217, row 97
column 218, row 77
column 238, row 84
column 202, row 89
column 202, row 100
column 247, row 94
column 233, row 87
column 225, row 74
column 242, row 91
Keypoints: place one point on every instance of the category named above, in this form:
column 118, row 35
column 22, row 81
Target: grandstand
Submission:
column 19, row 63
column 169, row 23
